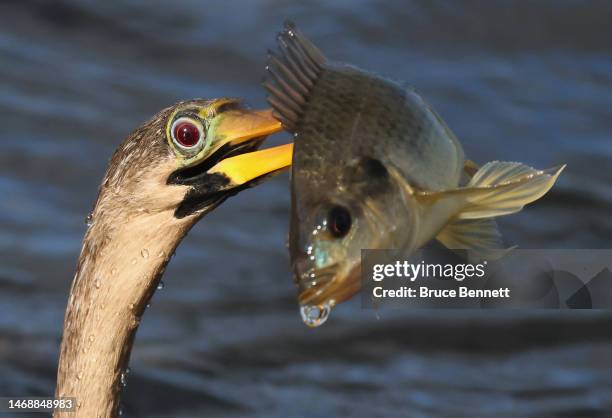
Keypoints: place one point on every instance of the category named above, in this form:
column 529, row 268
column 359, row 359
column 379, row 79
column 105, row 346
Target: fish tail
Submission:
column 292, row 74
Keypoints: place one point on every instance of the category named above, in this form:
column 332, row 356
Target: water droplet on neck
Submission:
column 144, row 253
column 89, row 219
column 160, row 285
column 124, row 379
column 97, row 284
column 113, row 272
column 91, row 338
column 315, row 315
column 79, row 376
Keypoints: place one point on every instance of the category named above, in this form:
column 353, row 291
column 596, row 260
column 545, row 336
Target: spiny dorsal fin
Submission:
column 292, row 75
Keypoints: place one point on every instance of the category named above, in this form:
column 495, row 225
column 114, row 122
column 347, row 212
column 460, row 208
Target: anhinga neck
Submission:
column 121, row 263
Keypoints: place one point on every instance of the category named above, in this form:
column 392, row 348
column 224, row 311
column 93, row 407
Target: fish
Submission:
column 375, row 167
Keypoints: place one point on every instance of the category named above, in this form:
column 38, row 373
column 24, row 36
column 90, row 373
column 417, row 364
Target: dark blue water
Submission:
column 529, row 81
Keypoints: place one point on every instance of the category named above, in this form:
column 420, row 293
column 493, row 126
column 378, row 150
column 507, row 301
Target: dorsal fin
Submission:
column 292, row 75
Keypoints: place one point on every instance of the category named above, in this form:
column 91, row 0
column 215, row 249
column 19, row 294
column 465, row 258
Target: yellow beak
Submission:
column 236, row 126
column 242, row 127
column 247, row 167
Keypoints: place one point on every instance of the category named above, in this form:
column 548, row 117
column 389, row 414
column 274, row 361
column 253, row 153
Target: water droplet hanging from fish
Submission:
column 315, row 315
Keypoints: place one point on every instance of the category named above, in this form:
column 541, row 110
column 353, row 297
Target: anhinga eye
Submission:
column 186, row 133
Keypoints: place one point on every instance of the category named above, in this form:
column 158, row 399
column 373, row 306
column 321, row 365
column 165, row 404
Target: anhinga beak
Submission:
column 249, row 167
column 233, row 164
column 242, row 130
column 236, row 126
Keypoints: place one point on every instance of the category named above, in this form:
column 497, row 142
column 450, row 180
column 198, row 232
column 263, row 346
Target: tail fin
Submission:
column 292, row 75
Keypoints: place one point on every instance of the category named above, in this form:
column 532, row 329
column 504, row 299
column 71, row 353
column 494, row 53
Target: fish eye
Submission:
column 186, row 133
column 339, row 221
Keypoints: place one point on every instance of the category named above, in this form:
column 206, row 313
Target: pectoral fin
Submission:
column 502, row 188
column 496, row 189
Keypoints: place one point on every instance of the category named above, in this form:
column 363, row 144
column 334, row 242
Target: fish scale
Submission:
column 376, row 116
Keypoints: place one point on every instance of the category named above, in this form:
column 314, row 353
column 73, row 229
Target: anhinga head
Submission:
column 164, row 177
column 190, row 157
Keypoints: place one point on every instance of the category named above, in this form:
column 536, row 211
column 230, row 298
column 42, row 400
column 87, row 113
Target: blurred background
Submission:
column 529, row 81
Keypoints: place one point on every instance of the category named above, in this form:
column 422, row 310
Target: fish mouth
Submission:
column 330, row 286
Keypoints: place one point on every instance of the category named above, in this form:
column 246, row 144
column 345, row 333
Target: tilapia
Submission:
column 375, row 167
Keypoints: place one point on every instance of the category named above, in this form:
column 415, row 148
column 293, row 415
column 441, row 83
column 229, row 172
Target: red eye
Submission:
column 186, row 133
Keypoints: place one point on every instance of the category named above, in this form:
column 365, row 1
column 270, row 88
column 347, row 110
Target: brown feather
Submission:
column 132, row 236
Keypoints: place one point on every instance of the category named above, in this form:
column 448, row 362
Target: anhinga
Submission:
column 165, row 176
